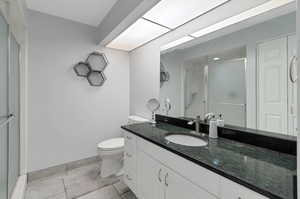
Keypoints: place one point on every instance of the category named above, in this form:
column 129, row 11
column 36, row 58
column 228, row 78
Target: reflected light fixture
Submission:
column 176, row 42
column 174, row 13
column 272, row 4
column 216, row 58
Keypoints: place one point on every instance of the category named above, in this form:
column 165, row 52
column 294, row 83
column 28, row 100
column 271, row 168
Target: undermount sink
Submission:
column 186, row 140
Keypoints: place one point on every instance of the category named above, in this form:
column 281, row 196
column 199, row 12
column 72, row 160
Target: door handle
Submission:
column 166, row 179
column 128, row 155
column 291, row 69
column 128, row 137
column 128, row 178
column 159, row 175
column 6, row 119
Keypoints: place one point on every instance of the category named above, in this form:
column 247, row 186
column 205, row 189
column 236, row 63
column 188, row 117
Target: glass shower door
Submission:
column 3, row 108
column 9, row 111
column 14, row 106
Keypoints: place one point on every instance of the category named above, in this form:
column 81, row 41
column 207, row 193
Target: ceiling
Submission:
column 90, row 12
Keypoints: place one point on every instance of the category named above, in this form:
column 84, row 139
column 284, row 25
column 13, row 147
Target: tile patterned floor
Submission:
column 79, row 183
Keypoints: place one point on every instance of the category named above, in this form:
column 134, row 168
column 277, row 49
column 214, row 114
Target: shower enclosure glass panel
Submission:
column 3, row 107
column 14, row 125
column 9, row 111
column 226, row 90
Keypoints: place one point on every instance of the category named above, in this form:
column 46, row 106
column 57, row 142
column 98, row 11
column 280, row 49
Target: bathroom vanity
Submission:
column 155, row 168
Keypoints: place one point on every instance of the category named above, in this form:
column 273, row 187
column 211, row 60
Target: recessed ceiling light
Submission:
column 173, row 13
column 216, row 58
column 139, row 33
column 176, row 42
column 272, row 4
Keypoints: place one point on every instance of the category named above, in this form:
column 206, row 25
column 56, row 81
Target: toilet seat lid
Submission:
column 112, row 144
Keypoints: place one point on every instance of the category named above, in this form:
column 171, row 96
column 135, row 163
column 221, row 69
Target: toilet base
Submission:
column 111, row 166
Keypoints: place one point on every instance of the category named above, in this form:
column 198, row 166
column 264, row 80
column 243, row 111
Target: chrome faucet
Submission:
column 197, row 123
column 208, row 117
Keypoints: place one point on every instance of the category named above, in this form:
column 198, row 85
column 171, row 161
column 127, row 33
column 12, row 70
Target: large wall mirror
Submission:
column 248, row 75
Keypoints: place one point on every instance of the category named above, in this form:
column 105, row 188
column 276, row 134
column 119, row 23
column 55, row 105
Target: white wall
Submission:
column 144, row 66
column 68, row 117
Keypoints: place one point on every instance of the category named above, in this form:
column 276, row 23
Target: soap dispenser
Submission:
column 220, row 121
column 213, row 128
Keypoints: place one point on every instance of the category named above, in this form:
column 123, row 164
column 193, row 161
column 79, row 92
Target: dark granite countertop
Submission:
column 267, row 172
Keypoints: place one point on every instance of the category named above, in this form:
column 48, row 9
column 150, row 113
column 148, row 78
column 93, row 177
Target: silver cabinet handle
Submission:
column 128, row 178
column 128, row 137
column 166, row 179
column 159, row 175
column 291, row 71
column 128, row 155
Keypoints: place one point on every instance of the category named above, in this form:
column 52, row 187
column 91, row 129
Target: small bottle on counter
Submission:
column 213, row 128
column 220, row 121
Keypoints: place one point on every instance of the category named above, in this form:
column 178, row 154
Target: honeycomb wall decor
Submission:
column 93, row 68
column 96, row 78
column 82, row 69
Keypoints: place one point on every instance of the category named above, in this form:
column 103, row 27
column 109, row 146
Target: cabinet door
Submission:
column 232, row 190
column 150, row 177
column 292, row 85
column 178, row 187
column 272, row 85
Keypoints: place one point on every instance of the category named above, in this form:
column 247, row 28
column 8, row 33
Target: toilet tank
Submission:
column 134, row 119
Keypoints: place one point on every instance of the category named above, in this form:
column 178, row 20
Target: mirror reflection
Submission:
column 246, row 77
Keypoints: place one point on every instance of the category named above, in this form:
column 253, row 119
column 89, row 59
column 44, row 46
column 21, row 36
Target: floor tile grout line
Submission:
column 65, row 188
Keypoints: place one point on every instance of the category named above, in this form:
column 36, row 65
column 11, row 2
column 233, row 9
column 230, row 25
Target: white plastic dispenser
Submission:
column 213, row 128
column 220, row 121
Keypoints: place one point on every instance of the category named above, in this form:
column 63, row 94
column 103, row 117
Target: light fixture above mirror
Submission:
column 166, row 16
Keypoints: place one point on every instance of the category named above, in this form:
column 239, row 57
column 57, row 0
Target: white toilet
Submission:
column 111, row 152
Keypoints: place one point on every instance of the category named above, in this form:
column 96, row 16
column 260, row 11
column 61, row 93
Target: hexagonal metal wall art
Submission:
column 82, row 69
column 97, row 61
column 96, row 78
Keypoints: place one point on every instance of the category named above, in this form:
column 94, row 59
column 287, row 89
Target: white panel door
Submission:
column 292, row 86
column 150, row 178
column 178, row 187
column 272, row 85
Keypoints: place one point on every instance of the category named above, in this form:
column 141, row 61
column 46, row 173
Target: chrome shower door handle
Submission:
column 293, row 64
column 6, row 119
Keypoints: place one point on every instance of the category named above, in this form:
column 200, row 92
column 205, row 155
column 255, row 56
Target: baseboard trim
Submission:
column 20, row 188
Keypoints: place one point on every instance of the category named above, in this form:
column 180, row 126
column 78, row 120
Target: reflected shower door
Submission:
column 3, row 107
column 227, row 90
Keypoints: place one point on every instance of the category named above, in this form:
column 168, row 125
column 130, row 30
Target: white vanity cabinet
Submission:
column 152, row 172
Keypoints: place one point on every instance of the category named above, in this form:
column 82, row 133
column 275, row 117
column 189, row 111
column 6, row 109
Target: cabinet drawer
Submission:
column 130, row 179
column 130, row 162
column 130, row 144
column 232, row 190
